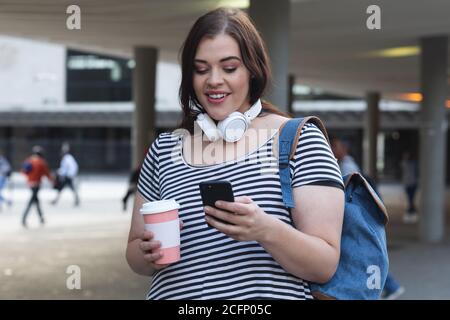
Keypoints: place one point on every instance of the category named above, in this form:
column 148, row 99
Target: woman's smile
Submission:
column 216, row 98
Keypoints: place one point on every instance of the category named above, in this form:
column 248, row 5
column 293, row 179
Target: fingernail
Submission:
column 207, row 209
column 218, row 203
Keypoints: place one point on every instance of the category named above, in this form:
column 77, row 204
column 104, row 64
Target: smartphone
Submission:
column 212, row 191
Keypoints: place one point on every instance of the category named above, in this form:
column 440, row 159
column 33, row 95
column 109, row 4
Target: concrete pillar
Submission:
column 144, row 96
column 371, row 127
column 272, row 19
column 433, row 134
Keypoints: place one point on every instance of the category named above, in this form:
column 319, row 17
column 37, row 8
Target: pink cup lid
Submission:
column 160, row 206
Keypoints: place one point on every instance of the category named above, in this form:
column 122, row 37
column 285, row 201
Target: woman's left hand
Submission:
column 248, row 222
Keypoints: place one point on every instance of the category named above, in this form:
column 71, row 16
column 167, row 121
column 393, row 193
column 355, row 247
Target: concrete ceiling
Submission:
column 329, row 38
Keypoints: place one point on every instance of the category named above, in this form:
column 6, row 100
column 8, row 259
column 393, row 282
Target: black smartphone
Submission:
column 212, row 191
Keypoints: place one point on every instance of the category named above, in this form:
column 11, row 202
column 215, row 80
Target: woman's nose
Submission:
column 215, row 78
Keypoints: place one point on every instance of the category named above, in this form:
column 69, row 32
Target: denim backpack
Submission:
column 363, row 263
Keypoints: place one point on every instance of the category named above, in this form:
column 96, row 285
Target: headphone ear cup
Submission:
column 233, row 127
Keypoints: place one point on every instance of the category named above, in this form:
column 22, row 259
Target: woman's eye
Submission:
column 201, row 71
column 230, row 70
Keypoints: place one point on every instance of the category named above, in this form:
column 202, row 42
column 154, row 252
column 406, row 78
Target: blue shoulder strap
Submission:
column 285, row 144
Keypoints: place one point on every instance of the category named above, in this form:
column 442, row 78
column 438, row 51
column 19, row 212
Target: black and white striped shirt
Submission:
column 212, row 265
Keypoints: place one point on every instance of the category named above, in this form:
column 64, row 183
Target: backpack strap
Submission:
column 289, row 136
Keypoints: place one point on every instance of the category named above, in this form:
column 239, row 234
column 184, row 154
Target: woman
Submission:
column 264, row 251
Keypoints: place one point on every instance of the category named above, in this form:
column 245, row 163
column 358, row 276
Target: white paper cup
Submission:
column 161, row 218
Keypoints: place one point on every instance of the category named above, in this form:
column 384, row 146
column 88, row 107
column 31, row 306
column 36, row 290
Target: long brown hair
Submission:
column 237, row 24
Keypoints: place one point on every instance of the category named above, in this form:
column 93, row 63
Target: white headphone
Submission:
column 230, row 129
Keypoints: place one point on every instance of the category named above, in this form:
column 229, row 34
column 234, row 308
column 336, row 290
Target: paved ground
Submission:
column 33, row 262
column 422, row 269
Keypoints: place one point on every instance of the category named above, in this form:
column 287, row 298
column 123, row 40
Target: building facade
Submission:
column 51, row 94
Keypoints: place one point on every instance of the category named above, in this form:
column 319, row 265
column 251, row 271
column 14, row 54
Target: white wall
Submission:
column 32, row 76
column 32, row 73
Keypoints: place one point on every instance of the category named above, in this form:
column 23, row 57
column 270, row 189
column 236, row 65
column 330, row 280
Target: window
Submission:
column 97, row 78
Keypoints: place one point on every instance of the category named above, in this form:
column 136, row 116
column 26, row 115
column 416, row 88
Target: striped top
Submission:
column 213, row 265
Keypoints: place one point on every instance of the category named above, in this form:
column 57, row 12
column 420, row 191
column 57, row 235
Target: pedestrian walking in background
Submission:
column 66, row 174
column 132, row 187
column 347, row 164
column 341, row 150
column 410, row 174
column 35, row 168
column 5, row 172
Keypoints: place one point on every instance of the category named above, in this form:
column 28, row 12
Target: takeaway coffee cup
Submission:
column 161, row 218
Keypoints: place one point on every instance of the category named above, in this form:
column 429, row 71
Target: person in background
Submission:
column 410, row 181
column 35, row 168
column 133, row 181
column 132, row 186
column 5, row 172
column 67, row 172
column 341, row 149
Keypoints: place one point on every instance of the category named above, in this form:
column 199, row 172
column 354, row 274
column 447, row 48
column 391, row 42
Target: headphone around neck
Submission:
column 230, row 129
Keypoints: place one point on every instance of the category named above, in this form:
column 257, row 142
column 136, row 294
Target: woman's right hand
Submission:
column 151, row 249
